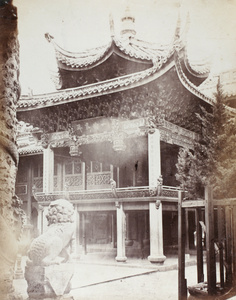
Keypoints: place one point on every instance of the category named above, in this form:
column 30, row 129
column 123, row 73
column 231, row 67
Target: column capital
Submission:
column 153, row 123
column 158, row 203
column 40, row 208
column 45, row 140
column 117, row 204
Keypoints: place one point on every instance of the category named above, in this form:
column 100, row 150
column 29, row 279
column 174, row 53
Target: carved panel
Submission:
column 73, row 181
column 21, row 189
column 38, row 182
column 99, row 180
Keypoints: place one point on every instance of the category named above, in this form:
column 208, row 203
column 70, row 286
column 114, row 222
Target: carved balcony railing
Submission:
column 108, row 194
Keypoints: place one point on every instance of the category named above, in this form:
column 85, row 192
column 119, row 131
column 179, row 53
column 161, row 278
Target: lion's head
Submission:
column 60, row 211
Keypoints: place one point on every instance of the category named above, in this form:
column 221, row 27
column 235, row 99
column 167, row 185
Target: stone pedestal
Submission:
column 18, row 271
column 51, row 282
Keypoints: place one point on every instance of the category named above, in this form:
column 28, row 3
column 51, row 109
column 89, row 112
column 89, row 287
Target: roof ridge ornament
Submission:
column 128, row 24
column 48, row 37
column 177, row 44
column 111, row 21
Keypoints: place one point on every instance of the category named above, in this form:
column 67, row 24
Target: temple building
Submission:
column 108, row 140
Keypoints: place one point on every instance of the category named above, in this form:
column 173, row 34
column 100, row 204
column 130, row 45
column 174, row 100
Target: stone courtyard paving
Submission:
column 104, row 279
column 157, row 285
column 137, row 279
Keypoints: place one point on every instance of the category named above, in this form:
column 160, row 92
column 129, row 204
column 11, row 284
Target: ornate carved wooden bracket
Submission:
column 74, row 143
column 118, row 136
column 158, row 203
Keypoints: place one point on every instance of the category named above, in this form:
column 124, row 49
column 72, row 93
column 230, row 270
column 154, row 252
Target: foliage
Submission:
column 213, row 159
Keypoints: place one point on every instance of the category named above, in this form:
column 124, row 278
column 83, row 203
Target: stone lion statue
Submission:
column 55, row 245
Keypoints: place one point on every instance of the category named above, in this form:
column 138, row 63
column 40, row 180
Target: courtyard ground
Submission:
column 101, row 278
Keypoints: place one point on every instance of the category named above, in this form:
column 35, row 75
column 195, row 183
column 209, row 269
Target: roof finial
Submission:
column 111, row 20
column 48, row 37
column 178, row 25
column 128, row 24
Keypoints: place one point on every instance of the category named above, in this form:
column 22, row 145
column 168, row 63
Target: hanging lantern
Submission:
column 74, row 150
column 118, row 143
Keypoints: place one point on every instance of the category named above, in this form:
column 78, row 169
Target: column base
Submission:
column 121, row 258
column 157, row 259
column 187, row 256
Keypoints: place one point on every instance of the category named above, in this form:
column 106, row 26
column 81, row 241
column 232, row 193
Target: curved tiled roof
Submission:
column 197, row 68
column 27, row 142
column 117, row 84
column 197, row 91
column 161, row 57
column 82, row 59
column 30, row 150
column 132, row 48
column 95, row 89
column 188, row 84
column 143, row 51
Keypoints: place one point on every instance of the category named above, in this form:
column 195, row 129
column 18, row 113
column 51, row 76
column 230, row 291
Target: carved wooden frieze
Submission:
column 135, row 192
column 114, row 130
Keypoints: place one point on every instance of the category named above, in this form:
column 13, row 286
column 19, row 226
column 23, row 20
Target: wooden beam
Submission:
column 182, row 283
column 224, row 202
column 211, row 264
column 200, row 273
column 220, row 215
column 186, row 231
column 193, row 203
column 234, row 244
column 228, row 250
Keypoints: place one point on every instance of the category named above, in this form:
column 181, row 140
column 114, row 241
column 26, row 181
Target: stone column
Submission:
column 44, row 221
column 60, row 177
column 77, row 233
column 84, row 241
column 30, row 184
column 10, row 212
column 155, row 209
column 146, row 229
column 83, row 167
column 114, row 231
column 120, row 215
column 40, row 219
column 128, row 241
column 48, row 170
column 156, row 234
column 154, row 157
